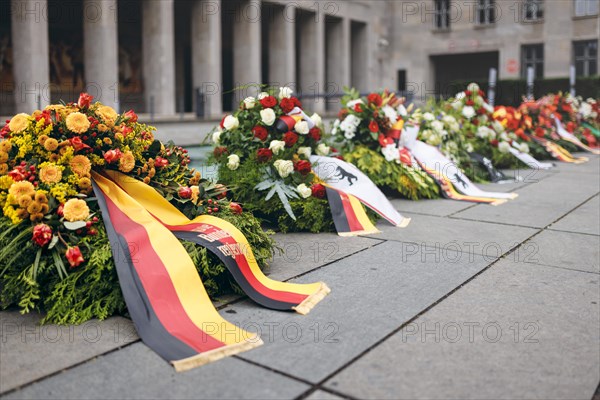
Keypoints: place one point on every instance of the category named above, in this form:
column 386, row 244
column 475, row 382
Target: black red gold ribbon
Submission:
column 163, row 291
column 348, row 214
column 559, row 152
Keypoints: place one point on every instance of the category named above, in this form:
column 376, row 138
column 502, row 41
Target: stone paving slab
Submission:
column 585, row 219
column 306, row 251
column 437, row 207
column 322, row 395
column 136, row 372
column 539, row 204
column 480, row 238
column 29, row 351
column 552, row 353
column 373, row 293
column 563, row 250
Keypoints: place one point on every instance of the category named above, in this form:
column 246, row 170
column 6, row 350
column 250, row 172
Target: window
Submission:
column 402, row 80
column 584, row 8
column 533, row 10
column 532, row 55
column 442, row 14
column 485, row 12
column 585, row 57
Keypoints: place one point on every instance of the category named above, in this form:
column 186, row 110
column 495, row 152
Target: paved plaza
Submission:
column 469, row 301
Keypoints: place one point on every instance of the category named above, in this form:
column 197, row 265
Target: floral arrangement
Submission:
column 263, row 151
column 55, row 255
column 367, row 131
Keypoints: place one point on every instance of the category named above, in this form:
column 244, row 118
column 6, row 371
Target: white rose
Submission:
column 316, row 118
column 231, row 122
column 524, row 148
column 469, row 148
column 473, row 87
column 277, row 146
column 284, row 167
column 437, row 126
column 390, row 152
column 428, row 116
column 285, row 92
column 503, row 147
column 304, row 191
column 304, row 151
column 268, row 116
column 434, row 140
column 483, row 132
column 468, row 112
column 449, row 119
column 323, row 149
column 301, row 127
column 216, row 137
column 504, row 137
column 249, row 102
column 391, row 114
column 460, row 96
column 233, row 162
column 263, row 95
column 426, row 134
column 336, row 127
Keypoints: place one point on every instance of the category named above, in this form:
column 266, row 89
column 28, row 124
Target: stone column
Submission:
column 158, row 47
column 206, row 55
column 312, row 60
column 101, row 51
column 247, row 48
column 282, row 54
column 31, row 66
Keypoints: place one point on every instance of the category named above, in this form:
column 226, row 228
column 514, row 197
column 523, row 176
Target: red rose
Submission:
column 290, row 139
column 85, row 100
column 405, row 157
column 469, row 102
column 481, row 111
column 468, row 93
column 268, row 102
column 384, row 141
column 126, row 130
column 315, row 134
column 264, row 155
column 184, row 192
column 303, row 167
column 297, row 102
column 375, row 98
column 342, row 114
column 539, row 132
column 373, row 127
column 318, row 191
column 222, row 124
column 494, row 142
column 112, row 156
column 219, row 151
column 74, row 256
column 16, row 175
column 42, row 234
column 223, row 191
column 260, row 132
column 160, row 162
column 131, row 116
column 571, row 126
column 78, row 144
column 358, row 108
column 287, row 105
column 235, row 208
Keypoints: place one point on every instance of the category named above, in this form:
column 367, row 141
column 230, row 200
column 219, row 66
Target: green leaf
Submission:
column 53, row 242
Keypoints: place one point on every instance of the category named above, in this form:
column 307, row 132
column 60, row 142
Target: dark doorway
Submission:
column 131, row 87
column 452, row 71
column 228, row 10
column 183, row 58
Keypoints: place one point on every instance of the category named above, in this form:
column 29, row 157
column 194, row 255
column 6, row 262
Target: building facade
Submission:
column 167, row 57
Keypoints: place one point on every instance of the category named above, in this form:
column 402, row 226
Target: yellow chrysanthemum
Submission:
column 6, row 182
column 55, row 107
column 3, row 169
column 5, row 145
column 76, row 210
column 41, row 197
column 24, row 201
column 34, row 208
column 23, row 188
column 127, row 162
column 107, row 114
column 50, row 174
column 102, row 127
column 81, row 165
column 84, row 183
column 19, row 123
column 3, row 157
column 51, row 144
column 77, row 122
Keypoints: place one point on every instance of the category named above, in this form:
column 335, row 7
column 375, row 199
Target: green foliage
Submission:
column 409, row 182
column 92, row 290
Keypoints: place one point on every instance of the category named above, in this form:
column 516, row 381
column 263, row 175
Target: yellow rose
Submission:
column 22, row 188
column 76, row 210
column 50, row 174
column 108, row 115
column 81, row 165
column 19, row 123
column 77, row 122
column 51, row 144
column 127, row 162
